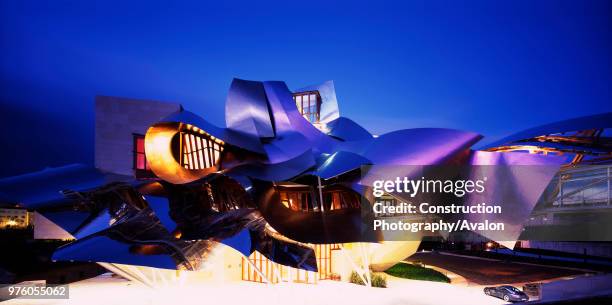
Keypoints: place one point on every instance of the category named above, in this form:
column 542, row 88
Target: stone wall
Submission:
column 117, row 120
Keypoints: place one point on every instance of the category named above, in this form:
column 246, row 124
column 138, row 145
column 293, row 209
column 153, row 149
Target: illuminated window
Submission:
column 340, row 199
column 199, row 151
column 309, row 105
column 301, row 199
column 139, row 163
column 298, row 199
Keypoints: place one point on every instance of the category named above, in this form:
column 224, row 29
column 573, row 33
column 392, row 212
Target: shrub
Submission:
column 356, row 279
column 378, row 280
column 415, row 272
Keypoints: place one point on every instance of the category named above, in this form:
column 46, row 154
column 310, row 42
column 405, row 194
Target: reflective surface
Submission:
column 271, row 181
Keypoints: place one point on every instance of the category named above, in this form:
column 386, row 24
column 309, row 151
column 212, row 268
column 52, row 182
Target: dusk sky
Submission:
column 491, row 67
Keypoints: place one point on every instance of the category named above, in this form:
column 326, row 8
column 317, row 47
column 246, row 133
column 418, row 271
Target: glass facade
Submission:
column 588, row 185
column 257, row 266
column 576, row 195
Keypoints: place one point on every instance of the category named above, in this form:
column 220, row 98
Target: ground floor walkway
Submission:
column 107, row 290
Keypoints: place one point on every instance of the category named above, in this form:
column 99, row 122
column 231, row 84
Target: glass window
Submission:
column 140, row 144
column 140, row 161
column 313, row 98
column 199, row 151
column 284, row 199
column 308, row 104
column 140, row 158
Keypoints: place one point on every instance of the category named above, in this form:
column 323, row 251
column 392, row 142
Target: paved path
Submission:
column 492, row 272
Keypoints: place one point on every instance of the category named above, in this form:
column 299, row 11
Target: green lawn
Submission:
column 413, row 272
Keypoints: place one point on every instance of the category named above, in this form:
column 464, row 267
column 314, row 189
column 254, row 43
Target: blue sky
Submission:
column 490, row 67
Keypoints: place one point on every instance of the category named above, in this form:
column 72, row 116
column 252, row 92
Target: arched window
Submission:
column 199, row 151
